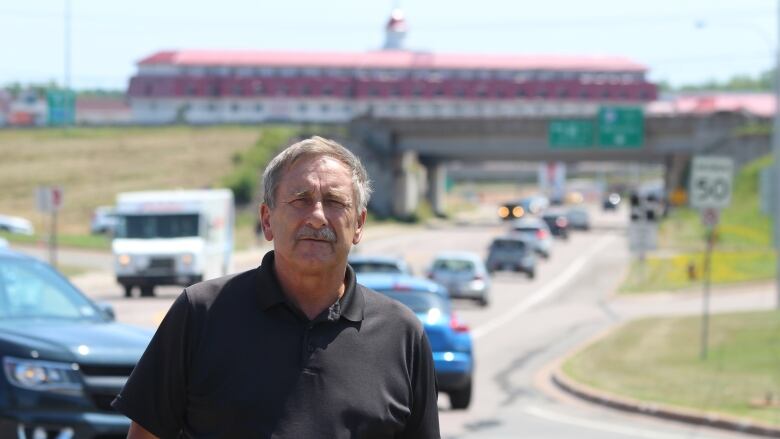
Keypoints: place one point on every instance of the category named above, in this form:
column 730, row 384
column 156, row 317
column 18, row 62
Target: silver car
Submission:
column 537, row 231
column 464, row 274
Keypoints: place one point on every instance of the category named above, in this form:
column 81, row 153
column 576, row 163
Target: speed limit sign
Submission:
column 710, row 182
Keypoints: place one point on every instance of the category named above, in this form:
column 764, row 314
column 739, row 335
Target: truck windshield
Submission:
column 157, row 226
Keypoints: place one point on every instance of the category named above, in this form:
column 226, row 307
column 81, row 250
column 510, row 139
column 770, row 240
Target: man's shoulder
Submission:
column 206, row 292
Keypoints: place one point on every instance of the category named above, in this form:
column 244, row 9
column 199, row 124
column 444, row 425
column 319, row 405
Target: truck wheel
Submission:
column 128, row 290
column 147, row 291
column 461, row 398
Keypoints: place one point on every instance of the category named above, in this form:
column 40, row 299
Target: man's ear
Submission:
column 265, row 220
column 361, row 221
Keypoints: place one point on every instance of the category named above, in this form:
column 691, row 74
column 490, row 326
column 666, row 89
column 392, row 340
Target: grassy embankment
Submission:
column 657, row 360
column 93, row 164
column 743, row 250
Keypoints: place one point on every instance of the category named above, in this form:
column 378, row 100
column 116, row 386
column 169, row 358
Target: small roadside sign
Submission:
column 710, row 182
column 48, row 198
column 642, row 237
column 710, row 217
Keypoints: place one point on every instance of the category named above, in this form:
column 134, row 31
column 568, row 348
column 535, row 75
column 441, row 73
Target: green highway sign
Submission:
column 62, row 107
column 570, row 133
column 621, row 127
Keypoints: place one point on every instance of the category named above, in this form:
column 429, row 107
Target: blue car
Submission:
column 64, row 358
column 450, row 339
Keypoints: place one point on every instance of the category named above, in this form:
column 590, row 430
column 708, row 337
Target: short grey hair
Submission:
column 316, row 146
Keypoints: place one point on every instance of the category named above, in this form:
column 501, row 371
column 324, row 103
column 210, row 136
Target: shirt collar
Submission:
column 351, row 304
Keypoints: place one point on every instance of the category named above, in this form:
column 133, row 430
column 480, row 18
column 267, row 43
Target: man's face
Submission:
column 315, row 222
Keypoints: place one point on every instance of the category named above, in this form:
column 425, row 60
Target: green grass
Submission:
column 97, row 242
column 743, row 250
column 657, row 360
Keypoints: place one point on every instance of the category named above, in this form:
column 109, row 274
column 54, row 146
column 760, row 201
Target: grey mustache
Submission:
column 324, row 234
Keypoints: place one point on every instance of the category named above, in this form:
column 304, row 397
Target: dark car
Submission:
column 557, row 223
column 450, row 339
column 611, row 201
column 532, row 205
column 512, row 253
column 64, row 358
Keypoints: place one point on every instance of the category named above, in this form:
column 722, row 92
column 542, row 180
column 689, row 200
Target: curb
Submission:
column 720, row 421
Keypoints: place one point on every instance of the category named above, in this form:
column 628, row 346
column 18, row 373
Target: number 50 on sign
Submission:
column 710, row 183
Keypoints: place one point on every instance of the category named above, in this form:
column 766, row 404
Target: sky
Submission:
column 680, row 41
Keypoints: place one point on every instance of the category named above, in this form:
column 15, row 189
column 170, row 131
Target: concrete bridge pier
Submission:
column 437, row 186
column 406, row 184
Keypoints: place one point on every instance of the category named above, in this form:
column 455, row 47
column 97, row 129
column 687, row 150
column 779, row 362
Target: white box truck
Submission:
column 172, row 237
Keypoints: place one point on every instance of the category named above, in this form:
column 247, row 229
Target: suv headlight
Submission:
column 44, row 376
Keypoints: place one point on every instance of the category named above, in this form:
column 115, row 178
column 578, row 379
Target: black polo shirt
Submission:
column 233, row 358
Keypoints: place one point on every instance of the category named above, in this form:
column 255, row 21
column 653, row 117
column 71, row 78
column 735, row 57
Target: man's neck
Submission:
column 311, row 292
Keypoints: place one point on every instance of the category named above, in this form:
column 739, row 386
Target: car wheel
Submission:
column 147, row 291
column 461, row 398
column 128, row 290
column 483, row 301
column 531, row 274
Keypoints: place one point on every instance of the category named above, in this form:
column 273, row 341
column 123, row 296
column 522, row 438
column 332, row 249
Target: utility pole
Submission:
column 776, row 156
column 66, row 42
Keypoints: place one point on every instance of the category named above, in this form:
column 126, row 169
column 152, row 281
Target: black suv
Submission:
column 64, row 358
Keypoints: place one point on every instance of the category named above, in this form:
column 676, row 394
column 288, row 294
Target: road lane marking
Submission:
column 601, row 426
column 544, row 292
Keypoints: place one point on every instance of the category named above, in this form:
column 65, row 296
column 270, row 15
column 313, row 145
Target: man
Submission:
column 294, row 348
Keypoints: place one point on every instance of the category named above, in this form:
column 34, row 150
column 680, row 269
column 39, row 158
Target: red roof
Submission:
column 759, row 104
column 392, row 59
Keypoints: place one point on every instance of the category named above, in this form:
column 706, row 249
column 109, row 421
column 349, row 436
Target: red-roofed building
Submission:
column 200, row 86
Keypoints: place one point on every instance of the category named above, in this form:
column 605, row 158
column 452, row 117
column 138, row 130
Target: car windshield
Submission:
column 508, row 245
column 418, row 301
column 30, row 289
column 453, row 265
column 374, row 267
column 157, row 226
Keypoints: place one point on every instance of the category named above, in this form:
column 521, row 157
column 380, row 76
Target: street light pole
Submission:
column 776, row 157
column 66, row 42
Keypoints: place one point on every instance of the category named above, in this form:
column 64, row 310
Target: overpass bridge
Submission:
column 407, row 158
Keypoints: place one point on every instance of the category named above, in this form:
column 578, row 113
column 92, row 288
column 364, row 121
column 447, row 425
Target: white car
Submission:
column 16, row 224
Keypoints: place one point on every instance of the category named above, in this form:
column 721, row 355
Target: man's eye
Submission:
column 299, row 202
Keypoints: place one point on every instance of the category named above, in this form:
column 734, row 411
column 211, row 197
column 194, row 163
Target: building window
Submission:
column 259, row 108
column 236, row 89
column 213, row 90
column 257, row 88
column 148, row 89
column 327, row 90
column 325, row 108
column 520, row 93
column 305, row 90
column 212, row 107
column 190, row 90
column 302, row 108
column 235, row 107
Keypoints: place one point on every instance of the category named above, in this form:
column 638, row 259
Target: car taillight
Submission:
column 456, row 325
column 561, row 222
column 541, row 234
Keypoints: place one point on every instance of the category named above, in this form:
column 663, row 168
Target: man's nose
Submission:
column 316, row 216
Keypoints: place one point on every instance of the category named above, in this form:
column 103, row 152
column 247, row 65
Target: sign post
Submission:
column 710, row 189
column 49, row 200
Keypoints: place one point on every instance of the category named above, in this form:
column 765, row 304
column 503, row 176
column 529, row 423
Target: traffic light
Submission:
column 635, row 207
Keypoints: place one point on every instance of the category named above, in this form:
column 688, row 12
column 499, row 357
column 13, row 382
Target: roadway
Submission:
column 528, row 325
